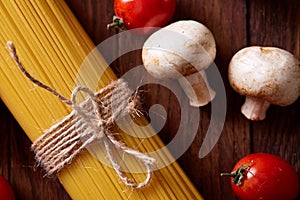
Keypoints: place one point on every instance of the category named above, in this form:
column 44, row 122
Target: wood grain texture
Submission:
column 235, row 24
column 18, row 165
column 277, row 24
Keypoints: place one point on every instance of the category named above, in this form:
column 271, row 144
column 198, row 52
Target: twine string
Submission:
column 12, row 50
column 87, row 122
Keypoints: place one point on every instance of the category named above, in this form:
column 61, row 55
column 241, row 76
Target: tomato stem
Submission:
column 117, row 23
column 239, row 174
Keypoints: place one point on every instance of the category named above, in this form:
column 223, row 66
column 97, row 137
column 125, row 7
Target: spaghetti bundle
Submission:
column 52, row 45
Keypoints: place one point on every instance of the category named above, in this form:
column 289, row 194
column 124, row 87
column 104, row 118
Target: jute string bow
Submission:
column 89, row 121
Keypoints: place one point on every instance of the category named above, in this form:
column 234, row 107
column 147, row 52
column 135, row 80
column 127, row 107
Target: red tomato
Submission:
column 144, row 13
column 264, row 176
column 6, row 192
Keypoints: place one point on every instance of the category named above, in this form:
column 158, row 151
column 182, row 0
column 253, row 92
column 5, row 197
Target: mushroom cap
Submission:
column 268, row 73
column 179, row 49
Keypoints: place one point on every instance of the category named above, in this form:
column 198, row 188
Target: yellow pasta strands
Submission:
column 52, row 45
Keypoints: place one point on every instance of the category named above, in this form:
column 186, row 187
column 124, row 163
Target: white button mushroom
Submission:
column 265, row 75
column 182, row 50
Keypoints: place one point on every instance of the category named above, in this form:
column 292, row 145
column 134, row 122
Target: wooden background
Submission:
column 235, row 24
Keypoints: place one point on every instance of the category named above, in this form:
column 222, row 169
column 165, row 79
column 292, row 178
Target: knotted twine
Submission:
column 89, row 121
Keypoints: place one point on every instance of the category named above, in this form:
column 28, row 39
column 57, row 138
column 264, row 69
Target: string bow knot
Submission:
column 88, row 122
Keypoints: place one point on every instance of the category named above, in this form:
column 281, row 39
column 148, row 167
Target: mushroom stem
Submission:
column 254, row 108
column 197, row 89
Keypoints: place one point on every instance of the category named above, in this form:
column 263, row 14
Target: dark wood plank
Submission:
column 94, row 15
column 277, row 23
column 27, row 181
column 227, row 21
column 4, row 142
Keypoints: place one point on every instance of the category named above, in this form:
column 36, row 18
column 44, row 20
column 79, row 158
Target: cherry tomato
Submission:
column 144, row 13
column 6, row 192
column 264, row 176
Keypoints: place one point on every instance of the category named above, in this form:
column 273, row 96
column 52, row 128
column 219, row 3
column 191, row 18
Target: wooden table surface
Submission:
column 235, row 24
